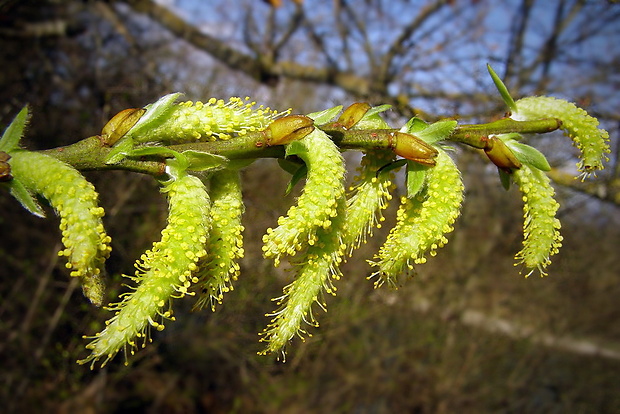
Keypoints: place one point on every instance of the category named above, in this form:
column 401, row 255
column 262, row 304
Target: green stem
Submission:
column 91, row 153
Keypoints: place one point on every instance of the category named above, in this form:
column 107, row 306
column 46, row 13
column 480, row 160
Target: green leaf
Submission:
column 120, row 150
column 301, row 173
column 414, row 126
column 295, row 148
column 204, row 161
column 505, row 179
column 372, row 119
column 503, row 90
column 15, row 131
column 528, row 155
column 154, row 114
column 416, row 175
column 25, row 198
column 326, row 115
column 437, row 131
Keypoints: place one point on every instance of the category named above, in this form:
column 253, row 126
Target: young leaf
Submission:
column 528, row 155
column 25, row 198
column 503, row 90
column 326, row 115
column 414, row 126
column 416, row 173
column 437, row 131
column 15, row 131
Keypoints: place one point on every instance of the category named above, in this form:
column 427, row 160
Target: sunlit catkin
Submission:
column 215, row 119
column 164, row 272
column 541, row 227
column 317, row 206
column 225, row 245
column 370, row 194
column 86, row 244
column 422, row 222
column 592, row 141
column 315, row 272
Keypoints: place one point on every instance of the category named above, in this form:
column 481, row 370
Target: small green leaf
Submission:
column 437, row 131
column 295, row 148
column 204, row 161
column 120, row 150
column 372, row 119
column 414, row 126
column 155, row 113
column 302, row 172
column 504, row 177
column 326, row 115
column 528, row 155
column 15, row 131
column 25, row 198
column 416, row 175
column 503, row 90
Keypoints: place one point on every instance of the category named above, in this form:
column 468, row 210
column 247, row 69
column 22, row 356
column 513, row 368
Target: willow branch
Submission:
column 91, row 153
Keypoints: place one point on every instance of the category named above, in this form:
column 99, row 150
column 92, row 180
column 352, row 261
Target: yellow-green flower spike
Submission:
column 542, row 237
column 422, row 222
column 165, row 271
column 317, row 205
column 592, row 141
column 225, row 245
column 75, row 200
column 315, row 271
column 370, row 194
column 213, row 120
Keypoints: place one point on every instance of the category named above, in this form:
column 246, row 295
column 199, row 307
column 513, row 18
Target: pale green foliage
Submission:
column 76, row 202
column 165, row 271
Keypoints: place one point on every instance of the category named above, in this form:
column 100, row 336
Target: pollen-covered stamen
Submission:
column 164, row 272
column 213, row 120
column 541, row 227
column 225, row 245
column 317, row 206
column 75, row 200
column 422, row 222
column 592, row 141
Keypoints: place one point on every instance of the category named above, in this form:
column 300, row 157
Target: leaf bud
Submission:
column 120, row 124
column 353, row 114
column 412, row 148
column 287, row 129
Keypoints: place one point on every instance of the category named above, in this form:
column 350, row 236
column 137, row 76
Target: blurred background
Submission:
column 466, row 334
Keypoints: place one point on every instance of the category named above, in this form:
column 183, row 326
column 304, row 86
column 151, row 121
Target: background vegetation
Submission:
column 466, row 334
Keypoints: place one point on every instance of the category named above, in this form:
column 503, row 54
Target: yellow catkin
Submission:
column 213, row 120
column 163, row 272
column 86, row 244
column 225, row 245
column 422, row 222
column 541, row 227
column 317, row 206
column 592, row 141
